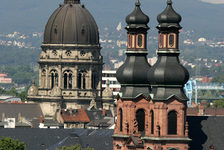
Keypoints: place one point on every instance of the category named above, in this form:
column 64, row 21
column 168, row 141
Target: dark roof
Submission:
column 206, row 131
column 192, row 111
column 169, row 17
column 28, row 111
column 137, row 19
column 37, row 139
column 71, row 23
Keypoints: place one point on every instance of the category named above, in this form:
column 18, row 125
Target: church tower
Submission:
column 155, row 120
column 70, row 65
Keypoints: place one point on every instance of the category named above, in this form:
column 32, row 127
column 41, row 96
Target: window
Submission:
column 171, row 40
column 140, row 117
column 81, row 79
column 94, row 81
column 152, row 121
column 160, row 40
column 54, row 78
column 139, row 40
column 121, row 120
column 68, row 79
column 129, row 40
column 172, row 122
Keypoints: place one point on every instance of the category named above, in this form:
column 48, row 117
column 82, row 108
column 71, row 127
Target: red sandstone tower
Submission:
column 151, row 111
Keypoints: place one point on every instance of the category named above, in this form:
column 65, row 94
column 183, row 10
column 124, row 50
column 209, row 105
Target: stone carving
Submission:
column 33, row 90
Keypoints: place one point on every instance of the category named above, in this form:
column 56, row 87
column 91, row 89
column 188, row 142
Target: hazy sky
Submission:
column 214, row 1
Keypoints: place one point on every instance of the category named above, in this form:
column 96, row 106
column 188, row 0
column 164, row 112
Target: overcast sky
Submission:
column 214, row 1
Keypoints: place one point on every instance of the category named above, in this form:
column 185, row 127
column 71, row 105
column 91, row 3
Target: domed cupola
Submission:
column 169, row 17
column 71, row 23
column 137, row 19
column 132, row 75
column 167, row 77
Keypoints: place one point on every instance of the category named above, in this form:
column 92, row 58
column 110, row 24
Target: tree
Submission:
column 219, row 103
column 7, row 143
column 219, row 78
column 75, row 147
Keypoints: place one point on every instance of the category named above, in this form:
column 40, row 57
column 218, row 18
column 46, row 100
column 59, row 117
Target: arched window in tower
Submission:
column 81, row 80
column 152, row 121
column 129, row 41
column 84, row 81
column 140, row 117
column 68, row 79
column 171, row 40
column 140, row 37
column 54, row 78
column 65, row 81
column 94, row 81
column 121, row 119
column 172, row 122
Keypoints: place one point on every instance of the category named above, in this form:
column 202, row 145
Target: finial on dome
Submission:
column 169, row 2
column 137, row 3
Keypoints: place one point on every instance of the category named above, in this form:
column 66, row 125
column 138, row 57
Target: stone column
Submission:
column 47, row 80
column 90, row 78
column 74, row 78
column 60, row 76
column 40, row 78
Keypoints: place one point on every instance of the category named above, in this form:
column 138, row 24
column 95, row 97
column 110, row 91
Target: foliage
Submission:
column 13, row 92
column 20, row 74
column 7, row 143
column 218, row 78
column 75, row 147
column 219, row 103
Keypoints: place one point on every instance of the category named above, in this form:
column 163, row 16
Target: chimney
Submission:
column 41, row 119
column 104, row 112
column 211, row 147
column 19, row 117
column 3, row 116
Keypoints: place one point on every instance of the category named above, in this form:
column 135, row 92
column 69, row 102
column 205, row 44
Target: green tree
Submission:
column 219, row 103
column 75, row 147
column 219, row 78
column 7, row 143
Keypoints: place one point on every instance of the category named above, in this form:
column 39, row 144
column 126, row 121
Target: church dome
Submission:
column 71, row 23
column 169, row 17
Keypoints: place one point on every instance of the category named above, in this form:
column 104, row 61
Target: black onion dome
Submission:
column 169, row 17
column 133, row 71
column 168, row 72
column 137, row 18
column 71, row 23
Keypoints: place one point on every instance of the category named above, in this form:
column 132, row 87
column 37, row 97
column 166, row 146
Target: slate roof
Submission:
column 29, row 111
column 203, row 130
column 206, row 131
column 38, row 139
